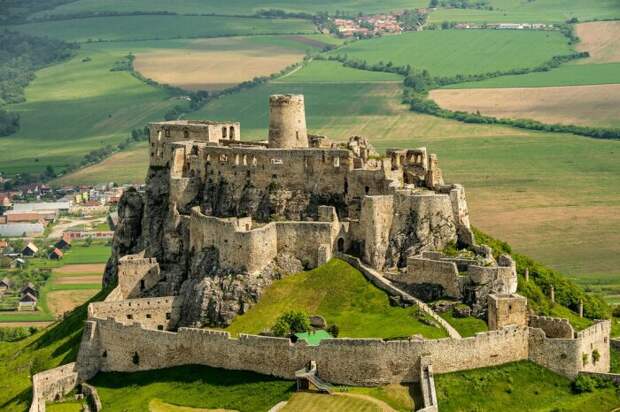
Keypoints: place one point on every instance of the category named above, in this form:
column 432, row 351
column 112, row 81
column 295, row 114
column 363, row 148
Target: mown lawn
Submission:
column 193, row 386
column 340, row 294
column 520, row 386
column 80, row 253
column 454, row 52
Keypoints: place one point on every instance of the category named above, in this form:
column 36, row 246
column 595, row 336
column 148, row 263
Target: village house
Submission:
column 5, row 285
column 55, row 254
column 64, row 243
column 30, row 250
column 29, row 288
column 28, row 302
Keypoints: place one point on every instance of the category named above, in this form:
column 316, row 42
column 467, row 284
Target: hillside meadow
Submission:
column 454, row 52
column 77, row 106
column 238, row 7
column 322, row 71
column 538, row 11
column 158, row 27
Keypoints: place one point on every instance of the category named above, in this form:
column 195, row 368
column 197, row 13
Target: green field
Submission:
column 239, row 7
column 157, row 27
column 321, row 71
column 538, row 11
column 78, row 106
column 454, row 52
column 352, row 303
column 565, row 75
column 520, row 386
column 80, row 253
column 194, row 386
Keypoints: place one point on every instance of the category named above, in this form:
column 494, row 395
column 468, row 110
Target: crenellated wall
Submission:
column 553, row 327
column 343, row 361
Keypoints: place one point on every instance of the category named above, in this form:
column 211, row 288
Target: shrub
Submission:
column 291, row 322
column 595, row 356
column 585, row 383
column 334, row 330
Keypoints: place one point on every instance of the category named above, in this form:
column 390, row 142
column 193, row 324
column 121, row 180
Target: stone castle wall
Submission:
column 161, row 313
column 375, row 223
column 553, row 327
column 342, row 361
column 136, row 274
column 506, row 310
column 421, row 270
column 239, row 247
column 570, row 356
column 52, row 385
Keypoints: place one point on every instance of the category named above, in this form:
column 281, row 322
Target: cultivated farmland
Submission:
column 454, row 52
column 601, row 39
column 321, row 71
column 109, row 103
column 159, row 27
column 538, row 11
column 224, row 62
column 238, row 7
column 565, row 75
column 597, row 106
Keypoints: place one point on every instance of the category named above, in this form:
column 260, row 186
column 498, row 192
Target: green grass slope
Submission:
column 453, row 52
column 47, row 349
column 565, row 75
column 76, row 107
column 192, row 386
column 238, row 7
column 146, row 27
column 340, row 294
column 520, row 386
column 538, row 11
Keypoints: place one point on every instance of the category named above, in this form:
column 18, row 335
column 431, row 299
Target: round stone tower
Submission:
column 287, row 121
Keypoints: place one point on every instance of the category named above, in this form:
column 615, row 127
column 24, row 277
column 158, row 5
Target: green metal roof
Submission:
column 314, row 338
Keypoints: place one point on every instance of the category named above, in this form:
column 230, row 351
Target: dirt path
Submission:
column 58, row 229
column 25, row 324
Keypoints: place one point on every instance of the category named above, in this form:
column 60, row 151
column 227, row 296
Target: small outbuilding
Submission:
column 30, row 250
column 55, row 254
column 28, row 302
column 5, row 284
column 64, row 243
column 29, row 288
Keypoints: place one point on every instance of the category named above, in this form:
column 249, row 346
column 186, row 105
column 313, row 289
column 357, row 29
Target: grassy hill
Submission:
column 159, row 27
column 340, row 294
column 520, row 386
column 453, row 52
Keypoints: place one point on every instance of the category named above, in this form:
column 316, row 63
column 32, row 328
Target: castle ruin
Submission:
column 222, row 218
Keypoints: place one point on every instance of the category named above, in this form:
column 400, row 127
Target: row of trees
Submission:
column 461, row 4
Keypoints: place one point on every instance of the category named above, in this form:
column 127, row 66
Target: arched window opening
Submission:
column 135, row 358
column 224, row 132
column 340, row 245
column 367, row 189
column 232, row 133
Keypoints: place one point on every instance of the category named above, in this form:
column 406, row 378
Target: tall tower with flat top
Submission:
column 287, row 121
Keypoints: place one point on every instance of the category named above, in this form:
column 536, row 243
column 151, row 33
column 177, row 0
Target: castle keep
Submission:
column 222, row 218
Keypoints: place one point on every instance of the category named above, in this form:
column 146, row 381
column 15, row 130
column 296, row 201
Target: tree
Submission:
column 291, row 322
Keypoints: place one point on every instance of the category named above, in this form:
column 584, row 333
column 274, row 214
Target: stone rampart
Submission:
column 439, row 272
column 52, row 385
column 303, row 240
column 375, row 222
column 571, row 356
column 136, row 274
column 153, row 313
column 553, row 327
column 343, row 361
column 240, row 247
